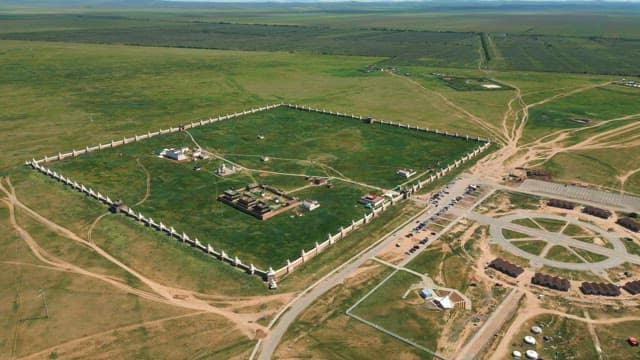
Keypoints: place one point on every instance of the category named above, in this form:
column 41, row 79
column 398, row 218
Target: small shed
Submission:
column 310, row 205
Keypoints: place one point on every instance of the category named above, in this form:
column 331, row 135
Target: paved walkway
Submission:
column 308, row 296
column 616, row 256
column 282, row 321
column 491, row 327
column 570, row 192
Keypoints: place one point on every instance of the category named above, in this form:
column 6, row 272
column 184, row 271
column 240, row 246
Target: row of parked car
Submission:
column 435, row 198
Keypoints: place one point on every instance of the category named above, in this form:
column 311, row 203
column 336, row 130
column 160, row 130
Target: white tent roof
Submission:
column 444, row 302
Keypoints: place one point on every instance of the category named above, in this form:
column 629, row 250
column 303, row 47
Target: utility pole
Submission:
column 44, row 300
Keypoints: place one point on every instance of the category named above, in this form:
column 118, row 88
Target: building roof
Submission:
column 601, row 213
column 628, row 223
column 506, row 267
column 633, row 287
column 606, row 289
column 561, row 204
column 552, row 282
column 426, row 293
column 443, row 302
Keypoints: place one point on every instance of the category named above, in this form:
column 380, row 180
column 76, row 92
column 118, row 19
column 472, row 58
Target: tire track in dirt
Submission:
column 176, row 297
column 80, row 340
column 490, row 128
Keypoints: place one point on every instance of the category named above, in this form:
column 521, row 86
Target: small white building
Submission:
column 406, row 173
column 310, row 205
column 223, row 170
column 176, row 154
column 443, row 302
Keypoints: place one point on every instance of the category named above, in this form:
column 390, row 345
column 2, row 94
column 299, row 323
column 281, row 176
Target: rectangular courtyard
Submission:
column 317, row 158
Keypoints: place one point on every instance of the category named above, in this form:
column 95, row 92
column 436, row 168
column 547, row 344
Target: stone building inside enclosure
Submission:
column 259, row 200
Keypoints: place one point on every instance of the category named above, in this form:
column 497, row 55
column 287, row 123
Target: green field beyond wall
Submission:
column 359, row 157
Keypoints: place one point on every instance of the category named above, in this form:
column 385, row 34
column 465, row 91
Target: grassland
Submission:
column 600, row 167
column 436, row 48
column 499, row 251
column 510, row 234
column 526, row 222
column 320, row 330
column 101, row 99
column 632, row 247
column 589, row 256
column 571, row 274
column 564, row 54
column 338, row 29
column 60, row 95
column 134, row 325
column 504, row 201
column 531, row 246
column 613, row 340
column 620, row 20
column 316, row 144
column 581, row 110
column 575, row 230
column 412, row 317
column 561, row 253
column 570, row 338
column 551, row 225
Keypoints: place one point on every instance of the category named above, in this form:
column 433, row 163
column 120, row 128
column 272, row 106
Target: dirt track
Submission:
column 162, row 294
column 532, row 309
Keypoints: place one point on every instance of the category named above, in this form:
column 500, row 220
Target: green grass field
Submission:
column 551, row 225
column 526, row 222
column 589, row 256
column 570, row 338
column 71, row 77
column 298, row 143
column 560, row 253
column 613, row 339
column 582, row 110
column 541, row 39
column 575, row 230
column 534, row 247
column 406, row 317
column 510, row 234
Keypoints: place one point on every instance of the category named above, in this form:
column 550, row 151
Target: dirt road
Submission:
column 495, row 323
column 163, row 294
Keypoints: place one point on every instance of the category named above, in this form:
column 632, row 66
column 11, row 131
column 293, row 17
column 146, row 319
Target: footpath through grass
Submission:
column 297, row 142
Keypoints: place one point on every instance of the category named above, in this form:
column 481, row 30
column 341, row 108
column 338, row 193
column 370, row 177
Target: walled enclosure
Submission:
column 270, row 273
